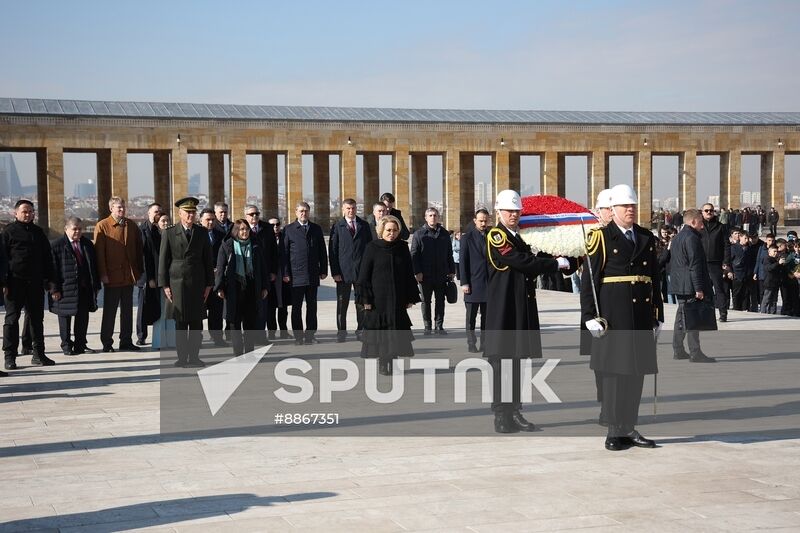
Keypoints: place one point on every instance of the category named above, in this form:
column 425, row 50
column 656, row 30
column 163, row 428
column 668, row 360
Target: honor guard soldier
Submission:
column 512, row 317
column 186, row 272
column 621, row 306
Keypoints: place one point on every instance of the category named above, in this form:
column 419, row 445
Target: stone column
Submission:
column 216, row 177
column 453, row 189
column 687, row 180
column 119, row 173
column 552, row 180
column 502, row 163
column 322, row 191
column 294, row 180
column 514, row 173
column 372, row 175
column 772, row 181
column 598, row 176
column 419, row 189
column 180, row 178
column 269, row 184
column 161, row 179
column 402, row 193
column 643, row 185
column 238, row 181
column 347, row 173
column 54, row 206
column 730, row 179
column 465, row 175
column 103, row 183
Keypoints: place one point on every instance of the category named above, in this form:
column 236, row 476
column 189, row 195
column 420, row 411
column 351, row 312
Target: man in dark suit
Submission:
column 186, row 273
column 378, row 212
column 474, row 276
column 75, row 276
column 147, row 227
column 690, row 279
column 388, row 200
column 349, row 237
column 222, row 222
column 280, row 293
column 306, row 263
column 263, row 234
column 432, row 256
column 214, row 303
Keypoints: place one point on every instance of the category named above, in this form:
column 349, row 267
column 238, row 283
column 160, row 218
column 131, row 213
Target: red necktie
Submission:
column 352, row 227
column 77, row 249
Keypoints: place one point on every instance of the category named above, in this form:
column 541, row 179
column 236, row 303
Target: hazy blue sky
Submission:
column 674, row 56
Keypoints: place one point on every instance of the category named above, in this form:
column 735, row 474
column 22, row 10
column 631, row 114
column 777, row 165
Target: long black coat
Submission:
column 265, row 238
column 387, row 284
column 151, row 247
column 631, row 309
column 688, row 266
column 432, row 254
column 512, row 316
column 187, row 268
column 66, row 274
column 305, row 258
column 473, row 264
column 280, row 292
column 226, row 279
column 345, row 250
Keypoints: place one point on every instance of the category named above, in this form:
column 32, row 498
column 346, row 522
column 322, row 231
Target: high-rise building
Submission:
column 194, row 184
column 85, row 190
column 9, row 179
column 480, row 193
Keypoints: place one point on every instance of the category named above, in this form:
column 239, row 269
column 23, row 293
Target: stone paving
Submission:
column 80, row 451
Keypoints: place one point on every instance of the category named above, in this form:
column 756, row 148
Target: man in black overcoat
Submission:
column 262, row 233
column 280, row 292
column 512, row 316
column 305, row 264
column 690, row 279
column 717, row 248
column 388, row 200
column 76, row 278
column 624, row 262
column 349, row 238
column 186, row 273
column 432, row 257
column 214, row 303
column 474, row 276
column 148, row 297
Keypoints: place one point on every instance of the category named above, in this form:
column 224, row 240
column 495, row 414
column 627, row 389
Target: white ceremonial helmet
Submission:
column 603, row 199
column 509, row 200
column 623, row 194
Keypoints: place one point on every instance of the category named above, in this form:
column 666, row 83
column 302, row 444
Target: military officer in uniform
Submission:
column 512, row 317
column 626, row 318
column 186, row 272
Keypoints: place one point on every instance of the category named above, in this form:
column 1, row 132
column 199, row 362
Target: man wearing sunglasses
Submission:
column 263, row 233
column 717, row 248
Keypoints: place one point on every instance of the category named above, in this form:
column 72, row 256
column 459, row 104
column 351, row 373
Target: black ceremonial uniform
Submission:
column 626, row 278
column 512, row 316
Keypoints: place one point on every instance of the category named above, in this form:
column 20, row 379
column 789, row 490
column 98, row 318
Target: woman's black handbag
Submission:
column 451, row 292
column 699, row 315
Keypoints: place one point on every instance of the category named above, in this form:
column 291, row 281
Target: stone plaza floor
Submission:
column 81, row 450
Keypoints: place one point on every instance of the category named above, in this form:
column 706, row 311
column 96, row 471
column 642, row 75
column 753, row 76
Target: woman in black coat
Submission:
column 388, row 289
column 241, row 279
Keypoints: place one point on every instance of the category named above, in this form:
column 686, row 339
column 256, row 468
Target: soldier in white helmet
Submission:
column 512, row 317
column 625, row 274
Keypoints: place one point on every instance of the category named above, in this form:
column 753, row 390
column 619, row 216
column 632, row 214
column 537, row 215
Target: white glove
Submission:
column 595, row 328
column 657, row 330
column 563, row 263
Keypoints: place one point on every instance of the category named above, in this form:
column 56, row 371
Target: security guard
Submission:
column 186, row 272
column 625, row 273
column 512, row 317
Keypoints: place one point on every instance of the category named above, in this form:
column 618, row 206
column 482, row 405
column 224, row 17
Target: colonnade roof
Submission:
column 232, row 112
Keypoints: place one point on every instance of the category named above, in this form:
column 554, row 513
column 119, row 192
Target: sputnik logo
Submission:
column 220, row 381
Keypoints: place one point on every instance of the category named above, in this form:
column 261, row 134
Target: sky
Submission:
column 598, row 56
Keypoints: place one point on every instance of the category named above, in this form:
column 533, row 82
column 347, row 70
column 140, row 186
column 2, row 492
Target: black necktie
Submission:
column 188, row 234
column 629, row 235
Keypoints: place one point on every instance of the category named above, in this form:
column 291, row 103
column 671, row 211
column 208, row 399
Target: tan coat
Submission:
column 119, row 252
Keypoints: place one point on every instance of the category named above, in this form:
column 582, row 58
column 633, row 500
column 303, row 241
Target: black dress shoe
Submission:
column 285, row 334
column 702, row 358
column 440, row 331
column 428, row 332
column 504, row 424
column 42, row 360
column 341, row 338
column 385, row 367
column 219, row 343
column 312, row 340
column 616, row 444
column 141, row 342
column 634, row 438
column 86, row 349
column 10, row 364
column 108, row 349
column 27, row 351
column 298, row 342
column 723, row 318
column 180, row 364
column 681, row 355
column 521, row 423
column 129, row 348
column 271, row 336
column 195, row 363
column 472, row 348
column 3, row 374
column 68, row 352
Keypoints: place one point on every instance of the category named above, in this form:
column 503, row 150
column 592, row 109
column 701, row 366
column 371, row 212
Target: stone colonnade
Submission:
column 409, row 145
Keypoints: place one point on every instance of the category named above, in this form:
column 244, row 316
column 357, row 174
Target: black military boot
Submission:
column 520, row 422
column 503, row 423
column 41, row 359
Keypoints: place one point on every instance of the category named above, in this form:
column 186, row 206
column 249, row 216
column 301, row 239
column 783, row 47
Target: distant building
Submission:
column 85, row 190
column 9, row 179
column 194, row 184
